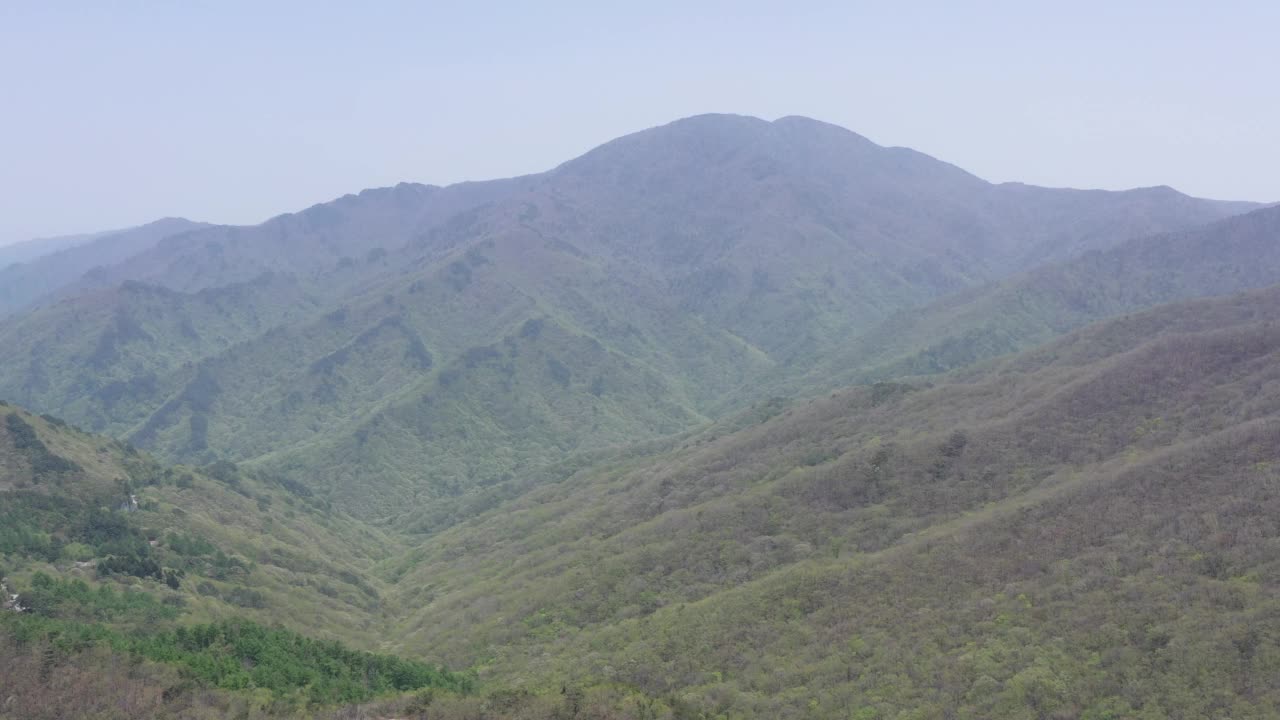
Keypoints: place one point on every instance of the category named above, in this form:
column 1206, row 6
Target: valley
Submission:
column 726, row 418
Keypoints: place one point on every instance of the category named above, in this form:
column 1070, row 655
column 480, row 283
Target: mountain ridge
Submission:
column 626, row 294
column 892, row 509
column 725, row 418
column 1231, row 255
column 28, row 282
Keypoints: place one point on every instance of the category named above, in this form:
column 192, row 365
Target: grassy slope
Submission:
column 1082, row 527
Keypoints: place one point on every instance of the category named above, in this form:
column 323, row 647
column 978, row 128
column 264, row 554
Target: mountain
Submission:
column 27, row 250
column 788, row 232
column 1085, row 529
column 410, row 344
column 307, row 244
column 185, row 579
column 1222, row 258
column 240, row 543
column 51, row 265
column 1147, row 210
column 517, row 450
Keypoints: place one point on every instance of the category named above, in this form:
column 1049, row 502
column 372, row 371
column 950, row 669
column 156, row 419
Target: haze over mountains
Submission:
column 51, row 268
column 21, row 251
column 1029, row 308
column 724, row 418
column 635, row 291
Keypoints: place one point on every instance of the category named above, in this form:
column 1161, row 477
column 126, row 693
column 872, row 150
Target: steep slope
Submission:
column 794, row 232
column 1222, row 258
column 1085, row 528
column 42, row 273
column 146, row 591
column 212, row 543
column 667, row 248
column 438, row 339
column 109, row 358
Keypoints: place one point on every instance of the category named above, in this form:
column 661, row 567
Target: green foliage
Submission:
column 137, row 566
column 560, row 373
column 184, row 537
column 25, row 525
column 44, row 464
column 189, row 545
column 68, row 617
column 242, row 655
column 74, row 600
column 224, row 471
column 1024, row 538
column 245, row 598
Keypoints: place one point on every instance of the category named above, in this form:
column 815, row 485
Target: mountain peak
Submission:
column 702, row 143
column 808, row 124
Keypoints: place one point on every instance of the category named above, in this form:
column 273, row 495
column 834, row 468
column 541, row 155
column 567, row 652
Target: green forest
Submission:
column 725, row 419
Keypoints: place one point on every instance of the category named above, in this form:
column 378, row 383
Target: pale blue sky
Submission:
column 116, row 113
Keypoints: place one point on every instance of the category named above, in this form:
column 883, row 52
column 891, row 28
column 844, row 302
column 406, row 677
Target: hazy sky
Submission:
column 116, row 113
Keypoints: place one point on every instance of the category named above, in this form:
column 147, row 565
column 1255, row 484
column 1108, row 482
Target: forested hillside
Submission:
column 642, row 289
column 136, row 590
column 223, row 540
column 723, row 419
column 110, row 557
column 42, row 269
column 1229, row 256
column 1086, row 530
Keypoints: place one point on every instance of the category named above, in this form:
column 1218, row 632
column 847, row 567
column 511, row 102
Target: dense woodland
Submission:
column 725, row 419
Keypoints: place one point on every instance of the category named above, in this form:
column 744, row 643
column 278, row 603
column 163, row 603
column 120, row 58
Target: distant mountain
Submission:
column 1229, row 256
column 52, row 265
column 28, row 250
column 416, row 342
column 1093, row 227
column 307, row 243
column 748, row 213
column 787, row 232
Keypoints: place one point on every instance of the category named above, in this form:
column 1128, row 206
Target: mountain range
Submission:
column 30, row 272
column 725, row 418
column 639, row 290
